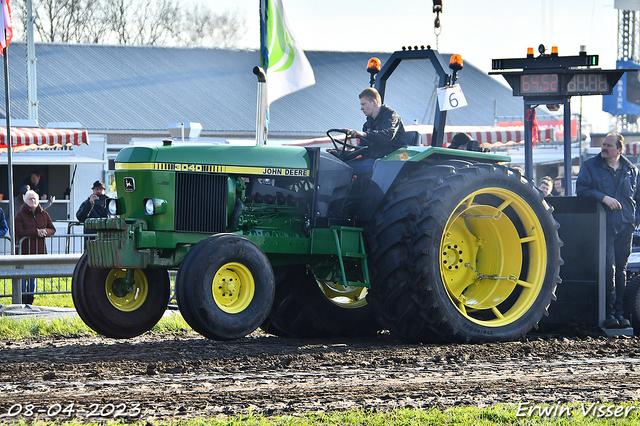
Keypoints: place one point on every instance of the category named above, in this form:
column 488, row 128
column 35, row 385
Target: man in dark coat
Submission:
column 611, row 179
column 94, row 206
column 382, row 133
column 37, row 183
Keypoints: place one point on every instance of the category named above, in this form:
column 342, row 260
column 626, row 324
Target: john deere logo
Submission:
column 129, row 184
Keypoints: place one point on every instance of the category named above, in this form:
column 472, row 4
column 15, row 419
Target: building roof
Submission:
column 142, row 88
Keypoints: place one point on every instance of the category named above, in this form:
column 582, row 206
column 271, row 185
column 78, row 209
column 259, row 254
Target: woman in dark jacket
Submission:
column 33, row 222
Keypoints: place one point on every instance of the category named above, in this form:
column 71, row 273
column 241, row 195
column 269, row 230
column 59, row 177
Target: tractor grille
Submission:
column 201, row 202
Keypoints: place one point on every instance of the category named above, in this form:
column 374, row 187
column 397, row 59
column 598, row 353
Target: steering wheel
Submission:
column 345, row 155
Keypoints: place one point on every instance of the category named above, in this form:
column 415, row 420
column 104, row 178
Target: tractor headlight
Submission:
column 154, row 206
column 149, row 207
column 112, row 206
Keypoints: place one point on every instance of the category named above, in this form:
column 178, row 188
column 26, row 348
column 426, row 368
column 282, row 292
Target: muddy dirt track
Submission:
column 185, row 375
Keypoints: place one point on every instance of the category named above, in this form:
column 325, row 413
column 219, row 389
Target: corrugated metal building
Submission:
column 126, row 91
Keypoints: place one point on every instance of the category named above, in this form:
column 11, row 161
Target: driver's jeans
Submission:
column 363, row 168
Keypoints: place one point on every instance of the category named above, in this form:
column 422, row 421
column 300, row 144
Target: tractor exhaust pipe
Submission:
column 261, row 113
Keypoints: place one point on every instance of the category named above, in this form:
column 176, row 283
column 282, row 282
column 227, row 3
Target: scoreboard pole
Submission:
column 568, row 189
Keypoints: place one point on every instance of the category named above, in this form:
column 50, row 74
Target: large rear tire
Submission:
column 225, row 287
column 306, row 308
column 632, row 303
column 113, row 312
column 463, row 252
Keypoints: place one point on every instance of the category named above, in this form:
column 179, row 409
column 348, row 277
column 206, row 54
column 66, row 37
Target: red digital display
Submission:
column 539, row 84
column 574, row 83
column 588, row 84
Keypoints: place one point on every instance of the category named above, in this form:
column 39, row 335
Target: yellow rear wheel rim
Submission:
column 132, row 300
column 493, row 257
column 233, row 287
column 349, row 297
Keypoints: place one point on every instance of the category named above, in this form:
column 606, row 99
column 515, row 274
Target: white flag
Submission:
column 288, row 69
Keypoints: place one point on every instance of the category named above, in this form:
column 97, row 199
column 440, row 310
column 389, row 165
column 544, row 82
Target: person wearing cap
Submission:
column 465, row 142
column 94, row 206
column 460, row 141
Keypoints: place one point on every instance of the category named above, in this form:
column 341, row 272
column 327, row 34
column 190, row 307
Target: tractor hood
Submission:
column 196, row 155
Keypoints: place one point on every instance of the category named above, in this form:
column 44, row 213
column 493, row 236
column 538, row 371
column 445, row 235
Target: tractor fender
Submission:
column 387, row 170
column 384, row 174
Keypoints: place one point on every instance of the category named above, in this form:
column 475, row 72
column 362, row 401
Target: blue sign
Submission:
column 626, row 94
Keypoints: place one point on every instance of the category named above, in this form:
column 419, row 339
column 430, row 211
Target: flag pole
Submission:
column 261, row 112
column 261, row 73
column 11, row 218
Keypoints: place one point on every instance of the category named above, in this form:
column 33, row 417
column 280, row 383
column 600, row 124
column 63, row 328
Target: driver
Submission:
column 382, row 133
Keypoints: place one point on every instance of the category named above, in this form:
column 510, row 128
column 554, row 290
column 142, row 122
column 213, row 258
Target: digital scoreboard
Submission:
column 568, row 83
column 552, row 76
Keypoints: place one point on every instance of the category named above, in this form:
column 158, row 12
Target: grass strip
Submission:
column 500, row 414
column 15, row 327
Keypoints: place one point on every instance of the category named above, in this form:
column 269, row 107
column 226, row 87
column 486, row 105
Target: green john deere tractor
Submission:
column 437, row 244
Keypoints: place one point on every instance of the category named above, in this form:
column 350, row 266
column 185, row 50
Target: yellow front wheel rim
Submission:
column 493, row 257
column 134, row 299
column 233, row 287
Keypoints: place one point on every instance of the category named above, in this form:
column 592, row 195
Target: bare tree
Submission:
column 80, row 21
column 118, row 18
column 155, row 22
column 149, row 22
column 204, row 28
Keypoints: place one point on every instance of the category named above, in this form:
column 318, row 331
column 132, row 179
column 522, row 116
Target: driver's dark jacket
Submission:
column 385, row 133
column 596, row 180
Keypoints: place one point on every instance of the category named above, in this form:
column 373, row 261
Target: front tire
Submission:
column 115, row 313
column 225, row 287
column 463, row 252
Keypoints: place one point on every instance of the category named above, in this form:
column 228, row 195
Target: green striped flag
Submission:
column 288, row 69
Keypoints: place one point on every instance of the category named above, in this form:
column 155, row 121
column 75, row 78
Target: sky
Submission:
column 479, row 30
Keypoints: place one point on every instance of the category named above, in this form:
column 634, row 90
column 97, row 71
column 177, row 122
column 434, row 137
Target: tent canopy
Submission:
column 632, row 148
column 488, row 136
column 23, row 138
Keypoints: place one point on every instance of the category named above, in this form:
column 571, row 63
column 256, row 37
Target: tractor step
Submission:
column 350, row 245
column 356, row 255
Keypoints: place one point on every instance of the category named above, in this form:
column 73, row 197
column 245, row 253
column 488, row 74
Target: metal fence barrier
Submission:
column 52, row 271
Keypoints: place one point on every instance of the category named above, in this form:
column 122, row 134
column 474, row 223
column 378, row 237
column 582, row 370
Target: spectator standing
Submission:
column 37, row 183
column 558, row 187
column 3, row 231
column 545, row 185
column 34, row 222
column 610, row 178
column 94, row 206
column 3, row 224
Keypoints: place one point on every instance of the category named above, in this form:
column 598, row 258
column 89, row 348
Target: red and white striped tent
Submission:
column 23, row 138
column 632, row 148
column 488, row 136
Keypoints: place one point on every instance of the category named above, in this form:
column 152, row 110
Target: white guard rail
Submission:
column 37, row 265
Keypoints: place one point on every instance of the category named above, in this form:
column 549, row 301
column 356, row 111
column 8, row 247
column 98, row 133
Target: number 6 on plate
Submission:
column 451, row 97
